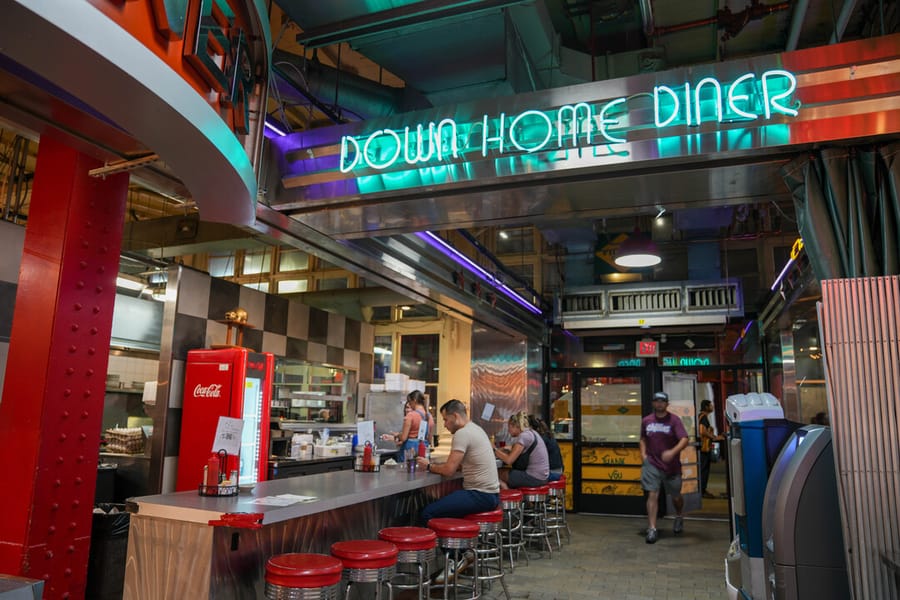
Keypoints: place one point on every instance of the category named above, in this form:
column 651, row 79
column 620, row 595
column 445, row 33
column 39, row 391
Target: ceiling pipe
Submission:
column 383, row 21
column 646, row 8
column 796, row 24
column 364, row 98
column 732, row 23
column 842, row 21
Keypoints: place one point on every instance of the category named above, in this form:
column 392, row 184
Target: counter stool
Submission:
column 367, row 561
column 534, row 513
column 454, row 537
column 489, row 552
column 416, row 548
column 556, row 508
column 511, row 528
column 303, row 577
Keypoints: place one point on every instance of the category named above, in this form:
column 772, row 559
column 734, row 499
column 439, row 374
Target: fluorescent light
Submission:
column 503, row 235
column 274, row 129
column 781, row 275
column 129, row 283
column 461, row 259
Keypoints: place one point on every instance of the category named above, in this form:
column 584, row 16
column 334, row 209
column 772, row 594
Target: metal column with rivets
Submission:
column 51, row 412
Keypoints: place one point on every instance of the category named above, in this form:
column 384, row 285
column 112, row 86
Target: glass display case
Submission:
column 313, row 393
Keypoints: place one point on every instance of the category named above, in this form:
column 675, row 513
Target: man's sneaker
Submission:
column 652, row 535
column 678, row 527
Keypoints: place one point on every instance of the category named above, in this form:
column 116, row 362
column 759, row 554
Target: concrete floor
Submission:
column 608, row 559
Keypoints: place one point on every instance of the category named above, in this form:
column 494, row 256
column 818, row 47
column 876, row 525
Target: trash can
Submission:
column 106, row 559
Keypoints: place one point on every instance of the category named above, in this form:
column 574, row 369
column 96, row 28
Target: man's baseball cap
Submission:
column 661, row 396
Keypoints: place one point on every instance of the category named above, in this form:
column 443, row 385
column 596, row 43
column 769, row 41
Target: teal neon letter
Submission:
column 420, row 138
column 515, row 122
column 572, row 111
column 604, row 121
column 397, row 147
column 771, row 102
column 656, row 106
column 718, row 88
column 687, row 103
column 439, row 138
column 345, row 141
column 485, row 138
column 734, row 97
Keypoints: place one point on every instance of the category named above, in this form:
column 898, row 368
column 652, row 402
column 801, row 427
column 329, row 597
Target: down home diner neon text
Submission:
column 747, row 98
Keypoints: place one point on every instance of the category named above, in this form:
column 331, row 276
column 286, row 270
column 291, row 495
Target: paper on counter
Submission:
column 282, row 500
column 297, row 498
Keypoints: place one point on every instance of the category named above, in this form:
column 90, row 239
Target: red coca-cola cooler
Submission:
column 229, row 382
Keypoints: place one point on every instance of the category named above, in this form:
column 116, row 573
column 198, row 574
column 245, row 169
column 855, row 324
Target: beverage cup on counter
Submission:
column 501, row 444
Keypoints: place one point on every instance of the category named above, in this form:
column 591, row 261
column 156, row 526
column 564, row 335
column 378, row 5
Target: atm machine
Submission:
column 757, row 432
column 801, row 522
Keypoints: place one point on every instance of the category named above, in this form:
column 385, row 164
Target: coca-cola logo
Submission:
column 213, row 390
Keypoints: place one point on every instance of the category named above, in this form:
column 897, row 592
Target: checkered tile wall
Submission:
column 287, row 328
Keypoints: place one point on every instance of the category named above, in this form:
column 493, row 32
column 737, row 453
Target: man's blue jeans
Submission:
column 459, row 504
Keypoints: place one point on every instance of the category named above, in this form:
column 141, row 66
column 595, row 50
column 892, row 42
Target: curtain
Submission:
column 848, row 211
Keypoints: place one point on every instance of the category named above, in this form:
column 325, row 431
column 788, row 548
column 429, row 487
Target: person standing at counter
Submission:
column 471, row 452
column 414, row 414
column 663, row 437
column 528, row 456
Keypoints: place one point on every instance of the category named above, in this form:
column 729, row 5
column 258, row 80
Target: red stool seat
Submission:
column 303, row 570
column 491, row 516
column 365, row 554
column 409, row 538
column 541, row 490
column 454, row 528
column 510, row 495
column 559, row 484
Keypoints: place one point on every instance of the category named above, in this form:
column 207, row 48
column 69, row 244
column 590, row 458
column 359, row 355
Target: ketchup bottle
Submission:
column 422, row 448
column 367, row 457
column 212, row 471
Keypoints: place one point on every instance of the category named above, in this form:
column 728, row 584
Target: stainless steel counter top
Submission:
column 331, row 491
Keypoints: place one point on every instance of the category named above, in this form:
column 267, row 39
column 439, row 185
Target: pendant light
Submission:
column 638, row 251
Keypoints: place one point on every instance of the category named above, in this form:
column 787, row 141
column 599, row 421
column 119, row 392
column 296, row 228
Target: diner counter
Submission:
column 328, row 491
column 174, row 551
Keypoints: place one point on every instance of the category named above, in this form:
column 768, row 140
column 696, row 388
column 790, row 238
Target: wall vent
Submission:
column 649, row 305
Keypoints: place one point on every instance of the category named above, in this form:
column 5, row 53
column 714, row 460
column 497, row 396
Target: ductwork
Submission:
column 360, row 97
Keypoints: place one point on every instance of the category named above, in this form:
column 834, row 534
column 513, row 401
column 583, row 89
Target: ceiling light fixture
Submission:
column 504, row 235
column 129, row 283
column 274, row 129
column 637, row 251
column 661, row 209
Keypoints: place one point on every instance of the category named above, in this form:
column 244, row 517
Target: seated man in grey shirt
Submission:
column 472, row 453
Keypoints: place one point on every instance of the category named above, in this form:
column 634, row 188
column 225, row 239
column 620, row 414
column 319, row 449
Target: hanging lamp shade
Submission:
column 638, row 251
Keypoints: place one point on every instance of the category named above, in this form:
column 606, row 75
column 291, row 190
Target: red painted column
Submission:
column 52, row 407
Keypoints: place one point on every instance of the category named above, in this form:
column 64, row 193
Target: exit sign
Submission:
column 647, row 348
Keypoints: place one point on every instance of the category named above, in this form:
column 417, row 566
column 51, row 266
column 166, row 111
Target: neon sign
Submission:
column 747, row 98
column 685, row 361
